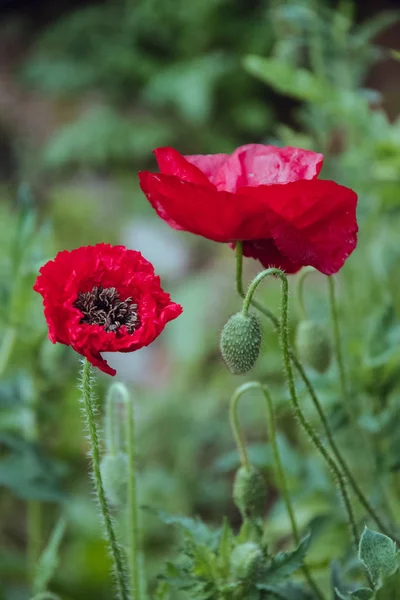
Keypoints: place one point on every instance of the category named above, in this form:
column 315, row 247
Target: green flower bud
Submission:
column 313, row 346
column 250, row 492
column 241, row 342
column 247, row 562
column 115, row 474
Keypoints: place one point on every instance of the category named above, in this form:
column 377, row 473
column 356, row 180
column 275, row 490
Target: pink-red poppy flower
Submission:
column 266, row 197
column 103, row 298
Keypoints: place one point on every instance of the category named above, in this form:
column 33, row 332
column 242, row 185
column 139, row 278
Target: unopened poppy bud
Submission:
column 313, row 346
column 247, row 562
column 115, row 473
column 241, row 342
column 250, row 492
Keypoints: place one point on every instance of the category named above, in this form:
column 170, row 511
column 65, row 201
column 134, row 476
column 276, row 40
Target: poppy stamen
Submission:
column 103, row 306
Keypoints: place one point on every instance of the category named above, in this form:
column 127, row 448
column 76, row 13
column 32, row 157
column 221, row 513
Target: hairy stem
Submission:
column 308, row 428
column 335, row 449
column 283, row 488
column 89, row 410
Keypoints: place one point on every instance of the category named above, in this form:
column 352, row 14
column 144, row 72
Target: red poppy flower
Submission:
column 103, row 298
column 268, row 198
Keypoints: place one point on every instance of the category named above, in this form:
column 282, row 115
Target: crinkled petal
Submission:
column 256, row 164
column 70, row 273
column 209, row 164
column 311, row 222
column 218, row 216
column 171, row 162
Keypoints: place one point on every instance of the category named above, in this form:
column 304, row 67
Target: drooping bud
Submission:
column 313, row 346
column 241, row 342
column 250, row 492
column 247, row 562
column 115, row 473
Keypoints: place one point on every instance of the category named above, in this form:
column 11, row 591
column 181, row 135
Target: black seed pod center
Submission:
column 103, row 306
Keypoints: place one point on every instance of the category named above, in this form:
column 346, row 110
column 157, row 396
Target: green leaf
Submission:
column 378, row 553
column 289, row 591
column 197, row 530
column 225, row 546
column 360, row 594
column 390, row 590
column 287, row 79
column 285, row 564
column 49, row 560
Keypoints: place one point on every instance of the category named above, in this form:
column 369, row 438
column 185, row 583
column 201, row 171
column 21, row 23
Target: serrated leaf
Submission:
column 225, row 545
column 378, row 553
column 285, row 564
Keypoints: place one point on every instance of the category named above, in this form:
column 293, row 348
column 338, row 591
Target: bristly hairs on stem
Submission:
column 283, row 488
column 301, row 371
column 308, row 428
column 89, row 409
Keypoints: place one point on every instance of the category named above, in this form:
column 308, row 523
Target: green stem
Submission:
column 313, row 435
column 133, row 545
column 353, row 482
column 89, row 410
column 283, row 488
column 234, row 420
column 300, row 289
column 357, row 490
column 240, row 289
column 336, row 339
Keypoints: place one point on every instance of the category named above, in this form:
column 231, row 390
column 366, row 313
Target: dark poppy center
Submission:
column 103, row 306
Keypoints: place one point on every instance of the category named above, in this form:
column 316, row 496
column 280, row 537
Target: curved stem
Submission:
column 357, row 490
column 240, row 289
column 300, row 289
column 133, row 544
column 234, row 421
column 283, row 488
column 89, row 410
column 308, row 428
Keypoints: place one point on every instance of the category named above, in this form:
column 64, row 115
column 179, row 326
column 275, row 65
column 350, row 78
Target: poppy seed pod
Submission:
column 250, row 492
column 313, row 346
column 115, row 473
column 241, row 342
column 247, row 562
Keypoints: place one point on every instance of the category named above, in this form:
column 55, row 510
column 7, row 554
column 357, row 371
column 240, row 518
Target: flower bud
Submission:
column 241, row 342
column 247, row 562
column 115, row 474
column 250, row 492
column 313, row 346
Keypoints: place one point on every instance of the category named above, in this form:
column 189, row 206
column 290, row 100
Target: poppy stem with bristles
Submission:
column 314, row 397
column 306, row 425
column 89, row 411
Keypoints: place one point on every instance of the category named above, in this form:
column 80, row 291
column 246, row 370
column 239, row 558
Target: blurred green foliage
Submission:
column 204, row 76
